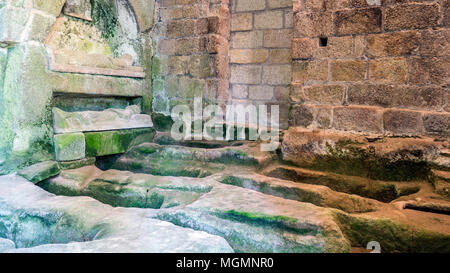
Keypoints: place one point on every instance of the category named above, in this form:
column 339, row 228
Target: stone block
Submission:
column 310, row 116
column 277, row 74
column 304, row 71
column 178, row 65
column 40, row 171
column 242, row 21
column 282, row 93
column 180, row 28
column 202, row 66
column 53, row 7
column 240, row 91
column 425, row 97
column 245, row 74
column 392, row 44
column 324, row 5
column 79, row 9
column 358, row 21
column 190, row 46
column 434, row 42
column 116, row 142
column 411, row 16
column 170, row 13
column 76, row 164
column 275, row 4
column 348, row 70
column 431, row 70
column 389, row 70
column 12, row 24
column 302, row 48
column 250, row 5
column 252, row 39
column 360, row 119
column 278, row 38
column 437, row 123
column 109, row 119
column 69, row 147
column 402, row 122
column 144, row 11
column 280, row 56
column 324, row 94
column 269, row 20
column 260, row 92
column 191, row 88
column 96, row 85
column 313, row 24
column 337, row 47
column 248, row 56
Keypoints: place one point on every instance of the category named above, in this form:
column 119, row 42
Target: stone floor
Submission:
column 222, row 198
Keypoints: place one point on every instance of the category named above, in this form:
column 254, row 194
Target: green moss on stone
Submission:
column 346, row 158
column 116, row 142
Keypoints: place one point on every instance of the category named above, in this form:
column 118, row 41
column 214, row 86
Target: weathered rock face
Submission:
column 109, row 119
column 352, row 69
column 40, row 171
column 249, row 221
column 186, row 161
column 28, row 80
column 26, row 132
column 32, row 220
column 373, row 156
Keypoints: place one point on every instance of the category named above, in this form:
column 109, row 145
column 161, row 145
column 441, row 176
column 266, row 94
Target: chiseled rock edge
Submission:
column 93, row 121
column 128, row 230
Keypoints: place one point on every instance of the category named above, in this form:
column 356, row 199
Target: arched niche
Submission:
column 96, row 37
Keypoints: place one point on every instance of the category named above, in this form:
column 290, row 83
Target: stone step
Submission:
column 378, row 190
column 187, row 161
column 252, row 221
column 94, row 121
column 371, row 156
column 37, row 221
column 314, row 194
column 239, row 215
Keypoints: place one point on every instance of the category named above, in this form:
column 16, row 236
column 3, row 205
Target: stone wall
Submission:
column 371, row 66
column 191, row 53
column 30, row 82
column 260, row 54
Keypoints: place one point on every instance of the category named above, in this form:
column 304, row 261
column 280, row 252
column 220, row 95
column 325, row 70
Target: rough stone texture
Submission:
column 392, row 70
column 360, row 119
column 348, row 70
column 192, row 43
column 388, row 159
column 358, row 21
column 402, row 122
column 216, row 212
column 95, row 85
column 144, row 11
column 437, row 123
column 78, row 8
column 260, row 51
column 69, row 147
column 68, row 165
column 382, row 54
column 412, row 16
column 107, row 231
column 26, row 131
column 40, row 171
column 109, row 119
column 53, row 7
column 115, row 142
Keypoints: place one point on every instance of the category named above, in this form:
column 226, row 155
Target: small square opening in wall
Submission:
column 323, row 41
